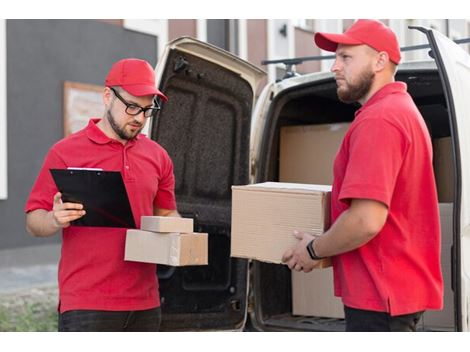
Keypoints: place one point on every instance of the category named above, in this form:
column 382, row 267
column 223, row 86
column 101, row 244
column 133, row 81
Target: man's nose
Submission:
column 335, row 67
column 140, row 117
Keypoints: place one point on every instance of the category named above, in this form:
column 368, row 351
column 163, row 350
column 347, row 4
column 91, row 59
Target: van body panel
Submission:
column 454, row 67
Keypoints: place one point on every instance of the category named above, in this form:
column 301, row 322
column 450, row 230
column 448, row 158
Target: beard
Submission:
column 355, row 91
column 121, row 131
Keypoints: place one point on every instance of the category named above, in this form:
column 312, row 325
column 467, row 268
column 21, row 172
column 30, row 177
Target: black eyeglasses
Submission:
column 134, row 109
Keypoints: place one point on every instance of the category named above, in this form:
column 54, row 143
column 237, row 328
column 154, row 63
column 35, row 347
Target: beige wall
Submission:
column 304, row 46
column 257, row 45
column 115, row 22
column 179, row 28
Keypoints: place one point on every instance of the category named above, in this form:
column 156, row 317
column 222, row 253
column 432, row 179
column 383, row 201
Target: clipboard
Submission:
column 102, row 194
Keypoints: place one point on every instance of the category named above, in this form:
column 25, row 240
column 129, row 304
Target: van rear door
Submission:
column 205, row 127
column 454, row 68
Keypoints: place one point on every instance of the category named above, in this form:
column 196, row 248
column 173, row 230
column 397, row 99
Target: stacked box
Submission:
column 306, row 155
column 166, row 240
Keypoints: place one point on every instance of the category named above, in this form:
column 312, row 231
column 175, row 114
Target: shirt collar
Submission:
column 390, row 88
column 95, row 134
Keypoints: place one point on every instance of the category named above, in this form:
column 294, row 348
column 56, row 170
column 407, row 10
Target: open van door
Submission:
column 453, row 64
column 205, row 127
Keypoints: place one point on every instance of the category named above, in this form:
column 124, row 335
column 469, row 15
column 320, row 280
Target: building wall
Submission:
column 304, row 46
column 257, row 44
column 41, row 55
column 179, row 28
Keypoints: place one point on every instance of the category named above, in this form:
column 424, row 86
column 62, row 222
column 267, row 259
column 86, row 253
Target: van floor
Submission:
column 304, row 323
column 286, row 322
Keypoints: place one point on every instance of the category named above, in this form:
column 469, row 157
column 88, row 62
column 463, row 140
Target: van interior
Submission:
column 205, row 127
column 317, row 104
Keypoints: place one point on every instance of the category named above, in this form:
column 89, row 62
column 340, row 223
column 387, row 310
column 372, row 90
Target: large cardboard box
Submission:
column 312, row 294
column 444, row 318
column 175, row 249
column 166, row 224
column 444, row 169
column 307, row 152
column 265, row 215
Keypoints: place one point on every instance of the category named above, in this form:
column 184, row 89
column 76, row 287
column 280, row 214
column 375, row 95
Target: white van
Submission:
column 219, row 136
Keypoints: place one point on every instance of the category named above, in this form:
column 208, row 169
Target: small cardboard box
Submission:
column 166, row 224
column 265, row 215
column 175, row 249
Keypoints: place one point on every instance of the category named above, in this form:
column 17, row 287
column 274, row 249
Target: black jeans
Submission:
column 367, row 320
column 101, row 320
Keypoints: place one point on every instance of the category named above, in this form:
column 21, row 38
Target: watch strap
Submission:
column 311, row 251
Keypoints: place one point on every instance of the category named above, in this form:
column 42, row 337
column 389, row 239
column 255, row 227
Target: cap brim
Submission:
column 330, row 41
column 139, row 90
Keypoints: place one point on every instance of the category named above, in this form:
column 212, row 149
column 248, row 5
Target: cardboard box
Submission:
column 312, row 294
column 265, row 215
column 443, row 169
column 444, row 318
column 175, row 249
column 166, row 224
column 307, row 152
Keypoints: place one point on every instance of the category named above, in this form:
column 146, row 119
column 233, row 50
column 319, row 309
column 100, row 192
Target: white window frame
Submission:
column 303, row 23
column 201, row 29
column 158, row 28
column 3, row 110
column 399, row 27
column 243, row 39
column 272, row 46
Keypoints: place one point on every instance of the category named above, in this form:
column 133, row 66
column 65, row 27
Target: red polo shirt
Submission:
column 387, row 156
column 92, row 270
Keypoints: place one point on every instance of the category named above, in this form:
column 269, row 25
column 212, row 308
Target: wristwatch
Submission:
column 311, row 251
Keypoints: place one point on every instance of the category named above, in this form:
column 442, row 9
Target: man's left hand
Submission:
column 298, row 258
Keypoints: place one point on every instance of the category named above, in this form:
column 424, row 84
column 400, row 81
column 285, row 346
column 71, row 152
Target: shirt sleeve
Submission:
column 44, row 188
column 375, row 155
column 165, row 198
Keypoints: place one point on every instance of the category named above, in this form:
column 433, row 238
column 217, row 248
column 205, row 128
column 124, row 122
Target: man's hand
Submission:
column 64, row 213
column 298, row 258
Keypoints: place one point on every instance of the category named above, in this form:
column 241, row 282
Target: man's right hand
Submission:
column 64, row 213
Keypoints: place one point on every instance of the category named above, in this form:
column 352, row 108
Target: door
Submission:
column 205, row 127
column 454, row 68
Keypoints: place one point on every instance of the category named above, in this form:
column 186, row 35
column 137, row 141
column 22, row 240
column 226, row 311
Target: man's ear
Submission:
column 107, row 96
column 382, row 61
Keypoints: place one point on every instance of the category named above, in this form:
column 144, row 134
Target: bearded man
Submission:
column 98, row 290
column 385, row 235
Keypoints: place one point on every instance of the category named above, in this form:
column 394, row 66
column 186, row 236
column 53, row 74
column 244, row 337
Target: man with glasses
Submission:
column 98, row 290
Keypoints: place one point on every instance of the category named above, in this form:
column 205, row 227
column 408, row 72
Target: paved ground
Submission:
column 20, row 278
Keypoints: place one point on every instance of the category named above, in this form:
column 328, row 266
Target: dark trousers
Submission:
column 367, row 320
column 100, row 320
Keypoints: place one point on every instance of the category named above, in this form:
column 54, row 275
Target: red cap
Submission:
column 135, row 76
column 370, row 32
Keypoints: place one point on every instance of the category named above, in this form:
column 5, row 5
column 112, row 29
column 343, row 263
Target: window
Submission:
column 308, row 25
column 281, row 43
column 3, row 110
